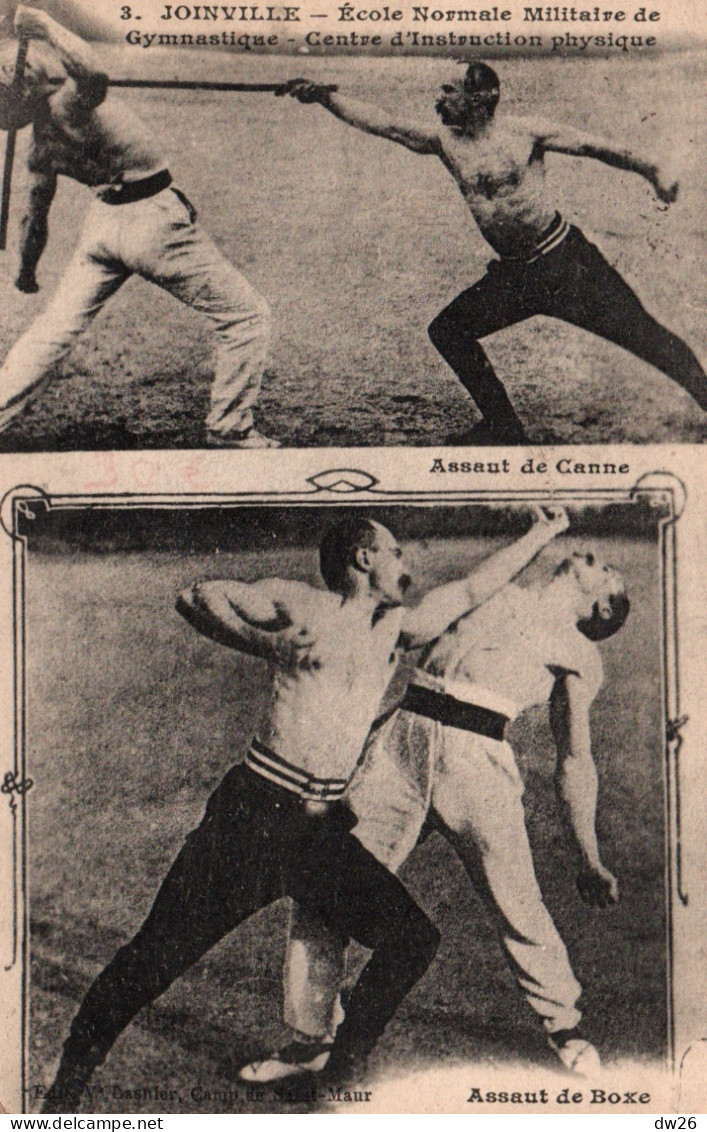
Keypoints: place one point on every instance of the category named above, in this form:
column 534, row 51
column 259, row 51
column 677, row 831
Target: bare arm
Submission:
column 89, row 83
column 34, row 228
column 257, row 618
column 576, row 143
column 576, row 781
column 365, row 116
column 446, row 604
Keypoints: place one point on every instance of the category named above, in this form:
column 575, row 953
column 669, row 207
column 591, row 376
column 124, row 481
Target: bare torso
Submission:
column 325, row 699
column 513, row 647
column 501, row 175
column 104, row 146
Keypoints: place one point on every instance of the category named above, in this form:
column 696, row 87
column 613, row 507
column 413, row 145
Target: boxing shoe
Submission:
column 73, row 1075
column 249, row 438
column 577, row 1054
column 293, row 1060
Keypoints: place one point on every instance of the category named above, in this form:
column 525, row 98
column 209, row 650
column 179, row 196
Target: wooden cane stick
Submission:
column 10, row 144
column 192, row 84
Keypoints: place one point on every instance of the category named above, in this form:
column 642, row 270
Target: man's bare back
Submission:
column 139, row 224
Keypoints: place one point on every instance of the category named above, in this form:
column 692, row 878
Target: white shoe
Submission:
column 292, row 1061
column 576, row 1054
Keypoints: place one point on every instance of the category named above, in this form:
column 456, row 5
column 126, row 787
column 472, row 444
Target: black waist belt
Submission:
column 454, row 713
column 127, row 192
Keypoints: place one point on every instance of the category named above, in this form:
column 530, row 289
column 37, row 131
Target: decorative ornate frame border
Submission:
column 330, row 487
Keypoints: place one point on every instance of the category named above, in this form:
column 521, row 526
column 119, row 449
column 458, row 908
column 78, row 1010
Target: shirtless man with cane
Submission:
column 545, row 265
column 276, row 826
column 442, row 756
column 140, row 223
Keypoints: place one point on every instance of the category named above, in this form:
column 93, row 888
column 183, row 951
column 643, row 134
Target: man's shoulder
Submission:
column 302, row 597
column 291, row 588
column 532, row 126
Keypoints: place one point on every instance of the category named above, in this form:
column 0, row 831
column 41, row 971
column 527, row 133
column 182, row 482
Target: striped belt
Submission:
column 551, row 237
column 454, row 713
column 275, row 769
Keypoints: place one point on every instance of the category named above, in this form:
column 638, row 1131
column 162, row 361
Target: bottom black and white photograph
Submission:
column 324, row 800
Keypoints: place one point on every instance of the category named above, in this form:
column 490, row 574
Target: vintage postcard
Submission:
column 464, row 225
column 354, row 786
column 352, row 402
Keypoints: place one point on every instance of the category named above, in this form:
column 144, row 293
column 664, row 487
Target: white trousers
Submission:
column 157, row 239
column 473, row 788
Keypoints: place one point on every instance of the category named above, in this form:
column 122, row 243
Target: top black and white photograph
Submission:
column 251, row 228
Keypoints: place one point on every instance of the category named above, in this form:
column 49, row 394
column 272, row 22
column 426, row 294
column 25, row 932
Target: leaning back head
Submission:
column 605, row 620
column 601, row 604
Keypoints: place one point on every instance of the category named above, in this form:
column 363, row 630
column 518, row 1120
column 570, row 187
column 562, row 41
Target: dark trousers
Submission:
column 255, row 844
column 572, row 282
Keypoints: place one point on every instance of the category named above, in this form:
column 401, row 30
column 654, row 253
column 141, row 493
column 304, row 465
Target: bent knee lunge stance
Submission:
column 139, row 224
column 543, row 265
column 276, row 826
column 257, row 842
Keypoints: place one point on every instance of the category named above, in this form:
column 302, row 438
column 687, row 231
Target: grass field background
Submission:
column 358, row 243
column 133, row 719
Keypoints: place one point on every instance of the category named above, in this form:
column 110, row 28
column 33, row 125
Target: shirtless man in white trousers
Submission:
column 140, row 223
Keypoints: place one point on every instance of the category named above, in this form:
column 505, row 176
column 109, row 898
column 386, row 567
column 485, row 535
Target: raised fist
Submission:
column 665, row 192
column 555, row 520
column 30, row 23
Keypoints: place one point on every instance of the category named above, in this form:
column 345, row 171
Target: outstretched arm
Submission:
column 444, row 605
column 90, row 83
column 576, row 780
column 258, row 618
column 576, row 143
column 34, row 229
column 364, row 116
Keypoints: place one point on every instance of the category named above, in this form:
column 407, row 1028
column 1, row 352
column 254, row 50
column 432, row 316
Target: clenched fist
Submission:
column 26, row 281
column 30, row 23
column 304, row 91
